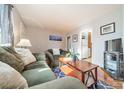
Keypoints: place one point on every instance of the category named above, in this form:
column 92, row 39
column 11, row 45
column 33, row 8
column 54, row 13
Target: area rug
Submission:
column 99, row 85
column 58, row 72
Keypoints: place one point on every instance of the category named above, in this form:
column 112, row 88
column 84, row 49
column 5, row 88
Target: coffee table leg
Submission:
column 96, row 74
column 83, row 77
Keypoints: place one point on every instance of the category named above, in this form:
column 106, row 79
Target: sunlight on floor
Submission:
column 88, row 59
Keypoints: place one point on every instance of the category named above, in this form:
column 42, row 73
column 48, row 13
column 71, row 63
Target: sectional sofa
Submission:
column 36, row 75
column 52, row 59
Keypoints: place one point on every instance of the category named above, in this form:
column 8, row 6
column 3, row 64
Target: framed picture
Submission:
column 55, row 38
column 75, row 38
column 107, row 29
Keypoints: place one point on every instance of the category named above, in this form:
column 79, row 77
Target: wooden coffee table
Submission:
column 83, row 67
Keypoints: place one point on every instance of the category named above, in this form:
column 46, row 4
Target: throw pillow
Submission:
column 11, row 60
column 12, row 51
column 10, row 78
column 56, row 51
column 26, row 55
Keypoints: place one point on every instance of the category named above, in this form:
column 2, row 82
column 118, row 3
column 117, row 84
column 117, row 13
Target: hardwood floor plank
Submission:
column 102, row 75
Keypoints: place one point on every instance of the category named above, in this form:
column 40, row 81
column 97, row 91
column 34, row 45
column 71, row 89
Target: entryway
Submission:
column 86, row 46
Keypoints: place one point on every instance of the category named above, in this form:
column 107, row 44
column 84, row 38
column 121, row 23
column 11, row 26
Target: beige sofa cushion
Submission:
column 10, row 78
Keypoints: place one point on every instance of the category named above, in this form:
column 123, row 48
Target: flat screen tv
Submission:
column 114, row 45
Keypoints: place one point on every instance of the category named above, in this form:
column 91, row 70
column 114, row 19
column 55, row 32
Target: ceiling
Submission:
column 62, row 17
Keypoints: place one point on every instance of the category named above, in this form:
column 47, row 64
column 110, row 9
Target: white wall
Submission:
column 78, row 45
column 97, row 39
column 40, row 39
column 18, row 26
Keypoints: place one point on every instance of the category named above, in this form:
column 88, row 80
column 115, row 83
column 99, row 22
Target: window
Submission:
column 6, row 31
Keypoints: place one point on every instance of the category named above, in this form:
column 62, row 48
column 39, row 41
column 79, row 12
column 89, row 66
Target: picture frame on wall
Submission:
column 55, row 38
column 75, row 38
column 107, row 29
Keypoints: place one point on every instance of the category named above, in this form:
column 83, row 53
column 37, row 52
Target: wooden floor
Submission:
column 102, row 75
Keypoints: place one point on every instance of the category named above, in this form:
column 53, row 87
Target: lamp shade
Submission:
column 24, row 43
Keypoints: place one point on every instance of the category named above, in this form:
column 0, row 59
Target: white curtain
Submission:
column 6, row 29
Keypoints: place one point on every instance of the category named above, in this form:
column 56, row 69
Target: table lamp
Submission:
column 24, row 43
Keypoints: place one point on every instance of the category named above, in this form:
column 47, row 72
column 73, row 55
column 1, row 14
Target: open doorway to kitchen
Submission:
column 86, row 46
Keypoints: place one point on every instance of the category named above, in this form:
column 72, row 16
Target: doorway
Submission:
column 68, row 43
column 86, row 46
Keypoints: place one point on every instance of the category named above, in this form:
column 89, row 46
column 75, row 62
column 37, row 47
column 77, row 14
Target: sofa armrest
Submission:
column 40, row 56
column 62, row 83
column 50, row 58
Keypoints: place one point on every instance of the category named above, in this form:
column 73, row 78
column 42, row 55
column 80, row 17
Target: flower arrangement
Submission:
column 73, row 55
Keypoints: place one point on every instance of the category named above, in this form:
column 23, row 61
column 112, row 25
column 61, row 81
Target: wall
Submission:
column 18, row 26
column 40, row 39
column 97, row 39
column 77, row 46
column 37, row 36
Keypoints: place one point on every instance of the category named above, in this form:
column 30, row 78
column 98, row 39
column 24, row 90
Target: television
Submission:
column 114, row 45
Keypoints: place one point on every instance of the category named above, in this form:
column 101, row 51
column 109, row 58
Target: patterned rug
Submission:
column 98, row 85
column 58, row 72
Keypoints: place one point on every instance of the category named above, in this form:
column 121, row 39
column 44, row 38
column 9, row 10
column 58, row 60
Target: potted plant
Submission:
column 73, row 55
